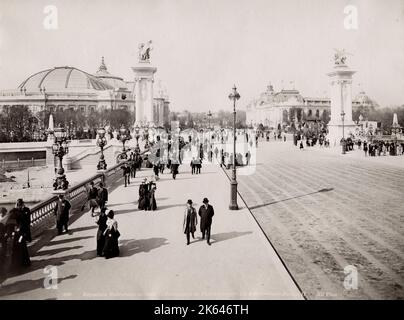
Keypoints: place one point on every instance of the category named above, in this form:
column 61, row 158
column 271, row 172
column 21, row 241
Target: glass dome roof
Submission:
column 63, row 79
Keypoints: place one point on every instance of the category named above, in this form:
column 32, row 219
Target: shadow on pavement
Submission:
column 130, row 247
column 218, row 237
column 291, row 198
column 57, row 242
column 55, row 251
column 27, row 285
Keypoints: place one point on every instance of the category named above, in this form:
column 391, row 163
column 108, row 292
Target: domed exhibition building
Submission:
column 69, row 88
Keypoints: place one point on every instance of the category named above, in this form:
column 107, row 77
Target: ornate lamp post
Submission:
column 60, row 149
column 101, row 142
column 234, row 96
column 123, row 136
column 343, row 133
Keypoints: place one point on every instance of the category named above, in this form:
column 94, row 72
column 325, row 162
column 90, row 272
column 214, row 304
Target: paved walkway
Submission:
column 155, row 262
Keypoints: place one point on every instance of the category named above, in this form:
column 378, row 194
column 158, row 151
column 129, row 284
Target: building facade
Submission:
column 273, row 109
column 64, row 88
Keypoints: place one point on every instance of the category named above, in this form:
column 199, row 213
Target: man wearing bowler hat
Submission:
column 206, row 213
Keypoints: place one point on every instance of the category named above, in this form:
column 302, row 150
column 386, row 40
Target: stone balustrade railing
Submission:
column 42, row 214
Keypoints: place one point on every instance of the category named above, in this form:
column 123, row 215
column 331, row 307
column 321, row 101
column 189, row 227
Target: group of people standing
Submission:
column 147, row 196
column 107, row 234
column 379, row 148
column 15, row 232
column 196, row 165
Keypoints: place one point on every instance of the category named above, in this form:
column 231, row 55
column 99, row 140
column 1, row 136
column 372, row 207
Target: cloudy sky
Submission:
column 203, row 47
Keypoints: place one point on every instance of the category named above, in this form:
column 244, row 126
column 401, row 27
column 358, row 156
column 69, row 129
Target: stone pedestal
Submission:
column 144, row 79
column 341, row 102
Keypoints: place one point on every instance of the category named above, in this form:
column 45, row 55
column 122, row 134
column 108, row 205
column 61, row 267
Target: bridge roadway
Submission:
column 155, row 262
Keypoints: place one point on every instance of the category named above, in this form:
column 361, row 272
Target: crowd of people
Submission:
column 15, row 233
column 381, row 148
column 15, row 225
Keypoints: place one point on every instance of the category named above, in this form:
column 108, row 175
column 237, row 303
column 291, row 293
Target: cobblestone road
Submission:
column 323, row 211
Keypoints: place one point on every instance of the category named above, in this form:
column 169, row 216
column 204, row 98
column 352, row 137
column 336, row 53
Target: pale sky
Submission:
column 203, row 47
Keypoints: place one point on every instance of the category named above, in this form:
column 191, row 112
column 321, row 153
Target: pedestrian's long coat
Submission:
column 206, row 215
column 62, row 210
column 193, row 220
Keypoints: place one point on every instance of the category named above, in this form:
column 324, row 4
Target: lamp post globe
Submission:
column 234, row 96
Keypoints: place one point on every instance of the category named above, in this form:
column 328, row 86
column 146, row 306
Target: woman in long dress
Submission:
column 111, row 233
column 20, row 254
column 152, row 197
column 142, row 195
column 102, row 225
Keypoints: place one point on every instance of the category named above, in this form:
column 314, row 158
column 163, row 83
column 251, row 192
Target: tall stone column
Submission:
column 144, row 78
column 138, row 107
column 341, row 103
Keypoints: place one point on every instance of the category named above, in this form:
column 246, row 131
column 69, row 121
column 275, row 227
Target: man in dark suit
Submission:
column 62, row 211
column 102, row 196
column 206, row 213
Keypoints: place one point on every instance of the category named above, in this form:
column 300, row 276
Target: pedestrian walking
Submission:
column 198, row 165
column 156, row 169
column 152, row 196
column 133, row 165
column 102, row 196
column 20, row 255
column 206, row 212
column 111, row 233
column 143, row 201
column 101, row 220
column 62, row 211
column 25, row 216
column 190, row 221
column 92, row 195
column 248, row 157
column 126, row 173
column 192, row 164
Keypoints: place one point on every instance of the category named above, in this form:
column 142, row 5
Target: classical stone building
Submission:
column 273, row 108
column 284, row 107
column 63, row 88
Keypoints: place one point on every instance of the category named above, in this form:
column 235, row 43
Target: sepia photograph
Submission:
column 202, row 150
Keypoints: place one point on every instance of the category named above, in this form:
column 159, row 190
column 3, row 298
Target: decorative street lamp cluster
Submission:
column 60, row 148
column 101, row 142
column 234, row 96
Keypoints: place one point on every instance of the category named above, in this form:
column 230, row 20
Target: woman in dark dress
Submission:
column 20, row 255
column 111, row 233
column 142, row 195
column 102, row 225
column 152, row 198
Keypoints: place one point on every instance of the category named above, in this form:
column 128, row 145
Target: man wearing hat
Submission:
column 62, row 211
column 190, row 221
column 206, row 213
